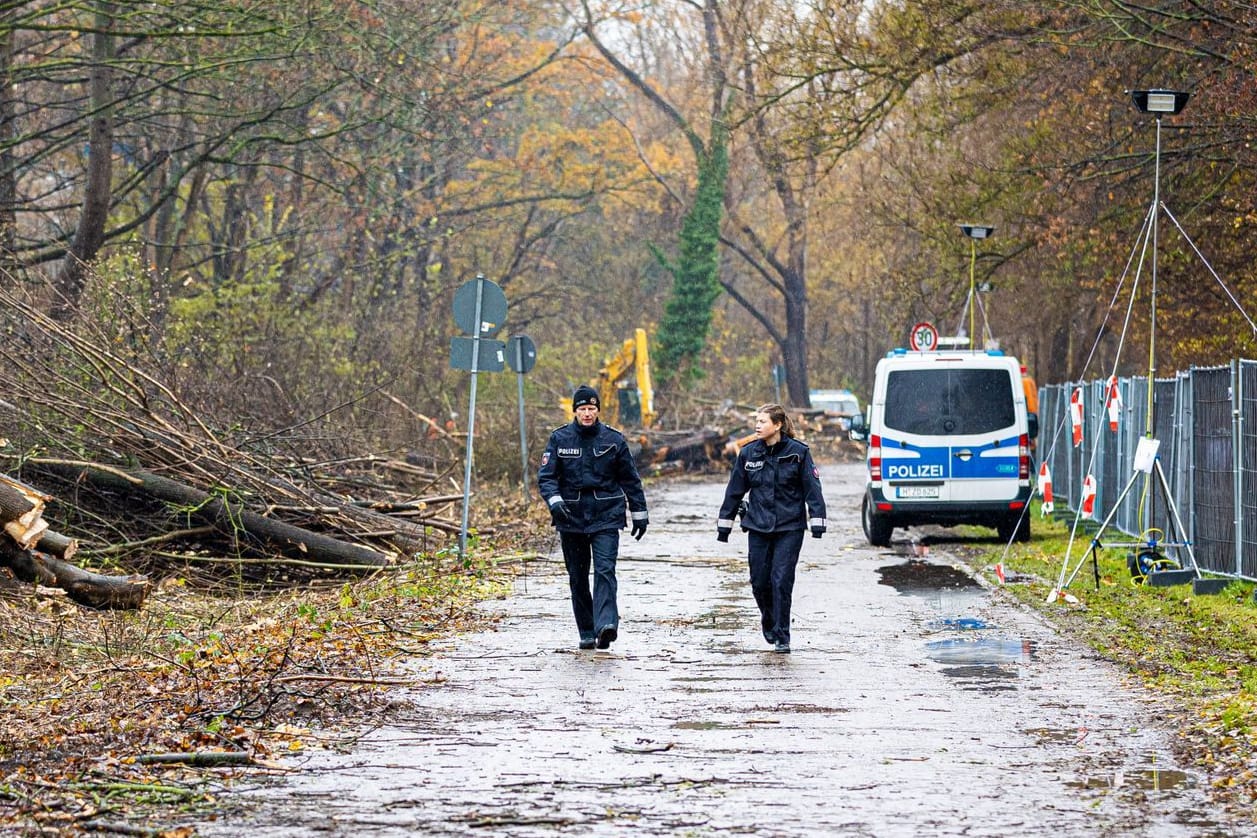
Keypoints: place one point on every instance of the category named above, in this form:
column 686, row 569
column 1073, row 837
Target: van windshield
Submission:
column 939, row 402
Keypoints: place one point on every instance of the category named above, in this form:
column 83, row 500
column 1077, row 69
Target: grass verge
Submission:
column 1197, row 651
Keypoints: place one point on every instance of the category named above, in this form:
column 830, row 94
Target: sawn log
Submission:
column 233, row 518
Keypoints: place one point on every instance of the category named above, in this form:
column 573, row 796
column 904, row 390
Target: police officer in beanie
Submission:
column 587, row 476
column 782, row 487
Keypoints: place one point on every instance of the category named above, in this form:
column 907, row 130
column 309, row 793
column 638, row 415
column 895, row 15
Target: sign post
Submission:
column 779, row 378
column 479, row 310
column 521, row 358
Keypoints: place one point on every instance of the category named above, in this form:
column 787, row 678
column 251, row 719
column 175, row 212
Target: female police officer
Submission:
column 777, row 472
column 587, row 474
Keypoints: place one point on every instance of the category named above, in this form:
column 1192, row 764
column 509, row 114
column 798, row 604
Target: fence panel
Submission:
column 1054, row 437
column 1131, row 428
column 1247, row 473
column 1213, row 488
column 1167, row 402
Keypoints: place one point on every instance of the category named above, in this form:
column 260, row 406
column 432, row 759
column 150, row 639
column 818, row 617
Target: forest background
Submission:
column 231, row 233
column 268, row 206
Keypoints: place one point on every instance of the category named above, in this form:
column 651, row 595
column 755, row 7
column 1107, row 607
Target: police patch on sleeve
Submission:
column 816, row 472
column 545, row 458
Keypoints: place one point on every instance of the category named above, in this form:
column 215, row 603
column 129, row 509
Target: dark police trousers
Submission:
column 596, row 612
column 773, row 557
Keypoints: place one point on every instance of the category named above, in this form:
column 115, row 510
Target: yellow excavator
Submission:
column 624, row 386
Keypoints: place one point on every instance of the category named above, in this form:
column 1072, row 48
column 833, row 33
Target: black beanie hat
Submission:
column 585, row 395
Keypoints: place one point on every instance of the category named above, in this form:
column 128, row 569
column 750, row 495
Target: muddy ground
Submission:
column 915, row 702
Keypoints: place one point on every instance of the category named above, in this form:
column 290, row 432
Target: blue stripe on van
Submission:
column 994, row 460
column 907, row 461
column 904, row 461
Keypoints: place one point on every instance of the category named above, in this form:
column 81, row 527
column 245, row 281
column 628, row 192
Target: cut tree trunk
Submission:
column 94, row 590
column 56, row 544
column 697, row 450
column 234, row 519
column 21, row 511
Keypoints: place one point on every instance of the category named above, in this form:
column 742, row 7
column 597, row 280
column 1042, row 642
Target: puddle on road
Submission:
column 980, row 651
column 1147, row 779
column 957, row 624
column 951, row 591
column 984, row 664
column 981, row 661
column 914, row 577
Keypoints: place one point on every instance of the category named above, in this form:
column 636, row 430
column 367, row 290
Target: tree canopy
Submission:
column 279, row 196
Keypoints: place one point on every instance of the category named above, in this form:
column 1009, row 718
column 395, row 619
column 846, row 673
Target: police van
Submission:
column 948, row 443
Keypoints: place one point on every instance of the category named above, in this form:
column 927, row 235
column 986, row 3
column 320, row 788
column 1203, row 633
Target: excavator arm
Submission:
column 628, row 369
column 626, row 377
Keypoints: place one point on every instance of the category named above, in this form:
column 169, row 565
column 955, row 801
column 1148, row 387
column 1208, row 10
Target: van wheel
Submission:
column 876, row 528
column 1015, row 528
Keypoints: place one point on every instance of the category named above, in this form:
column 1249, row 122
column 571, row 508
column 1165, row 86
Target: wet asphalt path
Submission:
column 913, row 704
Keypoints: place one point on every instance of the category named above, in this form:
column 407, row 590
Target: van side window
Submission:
column 937, row 402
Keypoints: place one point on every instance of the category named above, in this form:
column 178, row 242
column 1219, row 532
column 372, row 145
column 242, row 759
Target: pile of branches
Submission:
column 106, row 463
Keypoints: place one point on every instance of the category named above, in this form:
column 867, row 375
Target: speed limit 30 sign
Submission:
column 923, row 337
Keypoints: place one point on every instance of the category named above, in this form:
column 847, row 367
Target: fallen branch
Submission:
column 119, row 828
column 200, row 759
column 346, row 679
column 658, row 749
column 173, row 535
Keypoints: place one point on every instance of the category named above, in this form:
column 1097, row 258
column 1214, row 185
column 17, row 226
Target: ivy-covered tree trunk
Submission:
column 686, row 321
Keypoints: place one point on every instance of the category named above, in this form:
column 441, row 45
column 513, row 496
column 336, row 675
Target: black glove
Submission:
column 741, row 509
column 722, row 533
column 639, row 529
column 817, row 532
column 560, row 513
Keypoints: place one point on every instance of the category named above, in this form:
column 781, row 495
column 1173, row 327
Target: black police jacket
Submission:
column 782, row 487
column 592, row 471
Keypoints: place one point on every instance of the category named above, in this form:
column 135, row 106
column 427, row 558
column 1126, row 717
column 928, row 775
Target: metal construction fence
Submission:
column 1206, row 423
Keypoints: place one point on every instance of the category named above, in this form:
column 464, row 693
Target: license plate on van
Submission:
column 918, row 491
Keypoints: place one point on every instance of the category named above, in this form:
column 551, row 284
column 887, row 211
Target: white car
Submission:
column 842, row 402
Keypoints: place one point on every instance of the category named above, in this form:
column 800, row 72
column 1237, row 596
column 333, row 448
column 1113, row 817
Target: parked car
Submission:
column 843, row 403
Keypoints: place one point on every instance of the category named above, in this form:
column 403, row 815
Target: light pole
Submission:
column 974, row 232
column 1158, row 103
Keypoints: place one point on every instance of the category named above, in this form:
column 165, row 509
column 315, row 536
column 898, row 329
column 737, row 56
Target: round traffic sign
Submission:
column 521, row 354
column 492, row 307
column 923, row 337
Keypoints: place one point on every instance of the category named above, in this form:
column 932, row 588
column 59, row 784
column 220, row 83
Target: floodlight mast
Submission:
column 1156, row 102
column 974, row 232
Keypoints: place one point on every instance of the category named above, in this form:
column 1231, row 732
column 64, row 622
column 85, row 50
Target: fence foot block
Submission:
column 1210, row 586
column 1167, row 578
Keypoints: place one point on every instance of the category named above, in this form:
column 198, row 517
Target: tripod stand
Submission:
column 1158, row 103
column 1147, row 463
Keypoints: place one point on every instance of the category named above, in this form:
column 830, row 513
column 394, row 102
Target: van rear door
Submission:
column 950, row 433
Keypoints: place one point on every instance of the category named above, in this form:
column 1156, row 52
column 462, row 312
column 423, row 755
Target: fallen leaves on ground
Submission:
column 87, row 694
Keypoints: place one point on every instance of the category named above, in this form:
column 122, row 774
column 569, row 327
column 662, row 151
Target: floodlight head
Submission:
column 977, row 231
column 1159, row 101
